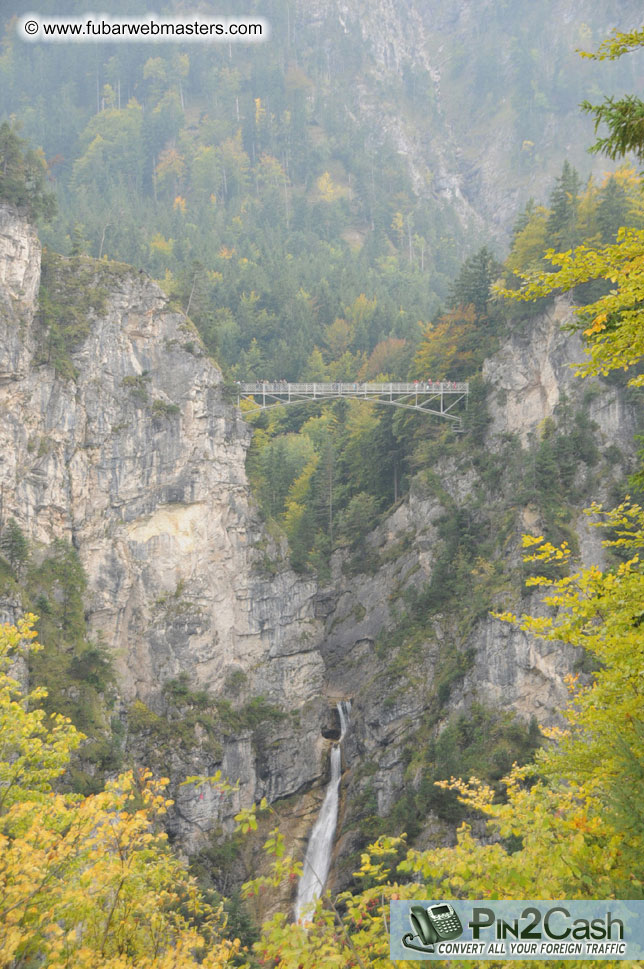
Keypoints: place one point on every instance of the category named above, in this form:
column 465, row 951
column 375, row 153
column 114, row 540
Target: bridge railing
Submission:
column 353, row 388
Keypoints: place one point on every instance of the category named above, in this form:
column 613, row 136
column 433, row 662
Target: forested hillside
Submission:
column 324, row 478
column 272, row 186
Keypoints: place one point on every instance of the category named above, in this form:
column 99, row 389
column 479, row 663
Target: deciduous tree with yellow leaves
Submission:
column 87, row 882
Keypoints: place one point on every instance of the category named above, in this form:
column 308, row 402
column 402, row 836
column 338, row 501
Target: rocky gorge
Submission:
column 132, row 452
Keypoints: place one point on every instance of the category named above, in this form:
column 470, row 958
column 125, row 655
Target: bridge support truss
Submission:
column 427, row 397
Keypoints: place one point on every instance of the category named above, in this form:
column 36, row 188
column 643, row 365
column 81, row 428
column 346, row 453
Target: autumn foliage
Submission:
column 87, row 881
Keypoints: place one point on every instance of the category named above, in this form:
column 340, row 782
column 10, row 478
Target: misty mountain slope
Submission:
column 471, row 106
column 480, row 99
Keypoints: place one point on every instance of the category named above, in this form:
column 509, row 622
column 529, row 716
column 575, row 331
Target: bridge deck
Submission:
column 427, row 396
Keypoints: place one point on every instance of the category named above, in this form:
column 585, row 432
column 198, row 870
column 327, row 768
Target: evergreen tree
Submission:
column 624, row 116
column 78, row 242
column 23, row 173
column 612, row 210
column 473, row 283
column 625, row 119
column 523, row 218
column 564, row 203
column 14, row 545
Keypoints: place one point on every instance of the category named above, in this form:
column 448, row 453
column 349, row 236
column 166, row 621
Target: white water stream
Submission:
column 318, row 852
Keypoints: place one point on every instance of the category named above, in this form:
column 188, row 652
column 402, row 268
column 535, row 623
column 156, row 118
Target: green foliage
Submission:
column 612, row 324
column 161, row 408
column 557, row 458
column 23, row 176
column 186, row 715
column 574, row 830
column 465, row 573
column 175, row 727
column 78, row 673
column 191, row 718
column 274, row 464
column 603, row 611
column 529, row 238
column 451, row 667
column 217, row 867
column 60, row 579
column 233, row 183
column 473, row 284
column 358, row 519
column 136, row 385
column 454, row 346
column 321, row 483
column 82, row 878
column 562, row 226
column 71, row 294
column 611, row 319
column 612, row 210
column 266, row 192
column 14, row 546
column 477, row 418
column 245, row 215
column 575, row 217
column 625, row 120
column 481, row 742
column 258, row 711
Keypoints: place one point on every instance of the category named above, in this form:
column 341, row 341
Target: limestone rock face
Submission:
column 19, row 282
column 535, row 369
column 139, row 462
column 19, row 259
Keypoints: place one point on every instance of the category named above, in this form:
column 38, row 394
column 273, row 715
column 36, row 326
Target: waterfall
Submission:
column 318, row 852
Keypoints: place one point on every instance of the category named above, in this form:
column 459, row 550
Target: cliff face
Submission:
column 138, row 461
column 534, row 373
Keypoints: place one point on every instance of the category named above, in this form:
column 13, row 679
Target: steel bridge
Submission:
column 428, row 397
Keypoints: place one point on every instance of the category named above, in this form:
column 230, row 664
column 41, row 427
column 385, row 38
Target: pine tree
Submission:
column 23, row 173
column 564, row 202
column 14, row 545
column 473, row 283
column 612, row 210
